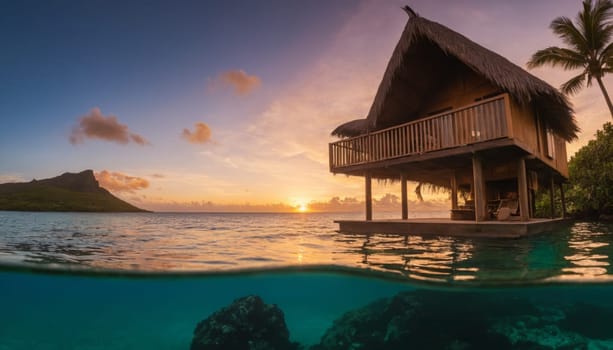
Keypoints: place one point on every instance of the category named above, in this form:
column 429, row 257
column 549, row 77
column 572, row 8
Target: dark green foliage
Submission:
column 68, row 192
column 590, row 192
column 543, row 203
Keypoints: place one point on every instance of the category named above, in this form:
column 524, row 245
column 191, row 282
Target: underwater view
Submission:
column 206, row 281
column 225, row 175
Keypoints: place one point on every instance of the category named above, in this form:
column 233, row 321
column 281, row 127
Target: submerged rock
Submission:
column 247, row 324
column 374, row 326
column 449, row 320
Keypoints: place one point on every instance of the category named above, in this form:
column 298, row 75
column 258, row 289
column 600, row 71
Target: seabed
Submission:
column 448, row 227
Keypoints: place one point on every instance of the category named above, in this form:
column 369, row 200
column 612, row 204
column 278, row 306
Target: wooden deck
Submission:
column 483, row 121
column 448, row 227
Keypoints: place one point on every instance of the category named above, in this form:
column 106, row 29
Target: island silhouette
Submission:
column 67, row 192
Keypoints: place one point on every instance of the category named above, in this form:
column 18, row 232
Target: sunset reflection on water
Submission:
column 590, row 247
column 172, row 242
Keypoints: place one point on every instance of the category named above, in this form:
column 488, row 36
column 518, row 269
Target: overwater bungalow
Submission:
column 451, row 113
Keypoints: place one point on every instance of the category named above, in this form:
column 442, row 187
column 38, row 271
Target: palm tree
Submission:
column 589, row 47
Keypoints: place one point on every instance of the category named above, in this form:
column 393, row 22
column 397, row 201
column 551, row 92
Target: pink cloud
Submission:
column 95, row 125
column 200, row 135
column 241, row 82
column 118, row 182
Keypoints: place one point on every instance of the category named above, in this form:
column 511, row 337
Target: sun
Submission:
column 303, row 208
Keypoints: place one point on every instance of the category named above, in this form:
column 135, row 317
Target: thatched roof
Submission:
column 427, row 54
column 353, row 128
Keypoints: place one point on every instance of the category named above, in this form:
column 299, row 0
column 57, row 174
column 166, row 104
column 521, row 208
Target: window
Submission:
column 550, row 144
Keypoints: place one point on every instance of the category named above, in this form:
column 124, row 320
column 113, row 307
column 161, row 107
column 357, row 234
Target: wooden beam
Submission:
column 562, row 199
column 522, row 190
column 405, row 196
column 479, row 190
column 552, row 197
column 454, row 191
column 368, row 190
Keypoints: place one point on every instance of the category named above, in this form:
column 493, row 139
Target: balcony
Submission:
column 483, row 121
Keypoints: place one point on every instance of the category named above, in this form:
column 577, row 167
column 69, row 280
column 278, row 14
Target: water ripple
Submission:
column 213, row 242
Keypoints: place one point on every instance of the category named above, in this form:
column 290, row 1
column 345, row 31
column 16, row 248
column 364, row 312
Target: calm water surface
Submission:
column 143, row 281
column 220, row 242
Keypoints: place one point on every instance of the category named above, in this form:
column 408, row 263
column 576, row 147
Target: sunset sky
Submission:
column 175, row 104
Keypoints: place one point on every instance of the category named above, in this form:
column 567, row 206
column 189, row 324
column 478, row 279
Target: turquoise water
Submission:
column 143, row 281
column 84, row 312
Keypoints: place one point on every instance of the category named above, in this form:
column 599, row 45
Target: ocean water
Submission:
column 144, row 281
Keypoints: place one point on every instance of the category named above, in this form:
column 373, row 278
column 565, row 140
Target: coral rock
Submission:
column 247, row 324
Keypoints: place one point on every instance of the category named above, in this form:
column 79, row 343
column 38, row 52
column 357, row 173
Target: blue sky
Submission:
column 161, row 67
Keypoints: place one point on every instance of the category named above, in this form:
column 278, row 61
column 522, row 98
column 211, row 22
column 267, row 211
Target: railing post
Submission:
column 369, row 145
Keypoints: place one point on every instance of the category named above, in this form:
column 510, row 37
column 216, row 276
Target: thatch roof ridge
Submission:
column 352, row 128
column 521, row 85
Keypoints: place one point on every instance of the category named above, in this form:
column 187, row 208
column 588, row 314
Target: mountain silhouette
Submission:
column 67, row 192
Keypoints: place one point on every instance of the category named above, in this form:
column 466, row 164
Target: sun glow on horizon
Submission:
column 302, row 208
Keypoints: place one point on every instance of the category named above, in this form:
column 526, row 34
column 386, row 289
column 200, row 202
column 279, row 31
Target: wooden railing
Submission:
column 482, row 121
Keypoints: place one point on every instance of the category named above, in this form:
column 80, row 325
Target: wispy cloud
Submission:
column 241, row 82
column 95, row 125
column 200, row 135
column 118, row 182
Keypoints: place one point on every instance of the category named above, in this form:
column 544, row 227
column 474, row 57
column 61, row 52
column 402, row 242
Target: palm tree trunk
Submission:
column 606, row 95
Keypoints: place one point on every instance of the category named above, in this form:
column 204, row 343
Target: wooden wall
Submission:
column 532, row 135
column 461, row 89
column 561, row 163
column 524, row 126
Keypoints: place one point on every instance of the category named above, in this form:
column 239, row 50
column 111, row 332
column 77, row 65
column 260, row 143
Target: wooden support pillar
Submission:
column 562, row 199
column 405, row 197
column 522, row 190
column 479, row 190
column 368, row 190
column 552, row 197
column 454, row 191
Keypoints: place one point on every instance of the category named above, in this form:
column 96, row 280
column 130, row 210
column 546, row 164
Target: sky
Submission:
column 226, row 105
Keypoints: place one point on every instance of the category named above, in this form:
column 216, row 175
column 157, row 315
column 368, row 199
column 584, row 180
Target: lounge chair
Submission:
column 506, row 209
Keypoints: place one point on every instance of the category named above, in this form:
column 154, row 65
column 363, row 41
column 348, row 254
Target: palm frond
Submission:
column 574, row 85
column 556, row 56
column 602, row 11
column 430, row 188
column 418, row 192
column 572, row 36
column 589, row 77
column 606, row 56
column 604, row 36
column 593, row 22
